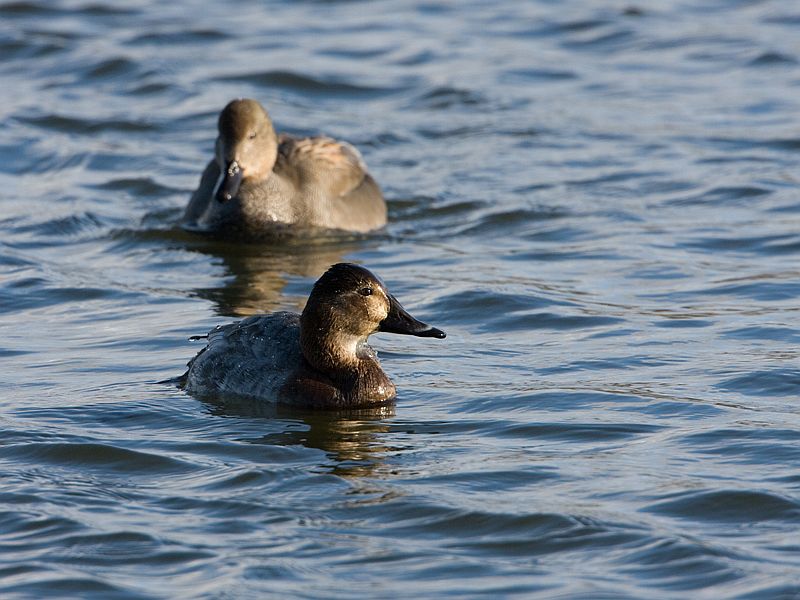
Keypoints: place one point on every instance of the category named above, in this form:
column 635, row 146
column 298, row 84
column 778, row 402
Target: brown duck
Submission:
column 261, row 185
column 318, row 359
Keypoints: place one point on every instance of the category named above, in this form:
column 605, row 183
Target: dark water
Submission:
column 600, row 203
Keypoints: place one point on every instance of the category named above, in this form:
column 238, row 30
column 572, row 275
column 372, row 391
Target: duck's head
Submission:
column 246, row 146
column 349, row 303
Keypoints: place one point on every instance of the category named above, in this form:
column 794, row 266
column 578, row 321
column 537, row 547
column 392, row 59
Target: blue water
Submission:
column 598, row 201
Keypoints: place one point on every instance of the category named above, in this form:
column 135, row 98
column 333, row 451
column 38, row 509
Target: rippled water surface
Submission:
column 598, row 201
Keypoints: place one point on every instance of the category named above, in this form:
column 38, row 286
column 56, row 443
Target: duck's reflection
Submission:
column 258, row 272
column 351, row 439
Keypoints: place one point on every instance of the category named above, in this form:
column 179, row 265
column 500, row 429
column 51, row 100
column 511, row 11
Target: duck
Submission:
column 319, row 359
column 264, row 185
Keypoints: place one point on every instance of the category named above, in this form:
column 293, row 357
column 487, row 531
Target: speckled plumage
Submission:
column 289, row 185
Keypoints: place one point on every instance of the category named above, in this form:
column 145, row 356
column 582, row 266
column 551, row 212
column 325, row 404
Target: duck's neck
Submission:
column 331, row 352
column 349, row 362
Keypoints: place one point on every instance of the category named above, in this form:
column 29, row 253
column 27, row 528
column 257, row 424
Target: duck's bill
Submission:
column 229, row 183
column 399, row 321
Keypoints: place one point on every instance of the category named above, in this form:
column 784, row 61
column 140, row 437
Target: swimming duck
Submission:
column 262, row 185
column 318, row 359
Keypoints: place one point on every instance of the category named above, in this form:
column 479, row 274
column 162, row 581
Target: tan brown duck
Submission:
column 261, row 185
column 318, row 359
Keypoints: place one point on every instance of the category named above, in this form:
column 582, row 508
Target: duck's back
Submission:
column 332, row 186
column 255, row 357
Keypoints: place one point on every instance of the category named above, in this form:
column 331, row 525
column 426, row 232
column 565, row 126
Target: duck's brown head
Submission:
column 347, row 304
column 246, row 146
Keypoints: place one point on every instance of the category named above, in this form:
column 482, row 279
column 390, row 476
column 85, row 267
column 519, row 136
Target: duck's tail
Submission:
column 179, row 382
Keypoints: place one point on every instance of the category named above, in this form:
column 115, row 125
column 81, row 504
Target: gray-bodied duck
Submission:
column 317, row 359
column 262, row 185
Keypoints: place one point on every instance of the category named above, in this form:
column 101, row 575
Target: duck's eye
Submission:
column 252, row 136
column 365, row 291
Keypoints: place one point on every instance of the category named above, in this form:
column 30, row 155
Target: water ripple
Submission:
column 65, row 124
column 306, row 84
column 776, row 382
column 733, row 506
column 94, row 456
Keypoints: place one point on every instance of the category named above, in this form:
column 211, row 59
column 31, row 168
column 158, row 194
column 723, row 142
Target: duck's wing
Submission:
column 251, row 357
column 321, row 162
column 214, row 334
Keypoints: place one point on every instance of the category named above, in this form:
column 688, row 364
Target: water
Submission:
column 600, row 204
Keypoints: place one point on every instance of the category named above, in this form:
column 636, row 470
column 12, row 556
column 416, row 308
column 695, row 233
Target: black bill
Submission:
column 231, row 180
column 399, row 321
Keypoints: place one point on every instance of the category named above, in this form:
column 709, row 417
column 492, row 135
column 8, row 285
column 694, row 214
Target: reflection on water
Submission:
column 256, row 273
column 351, row 438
